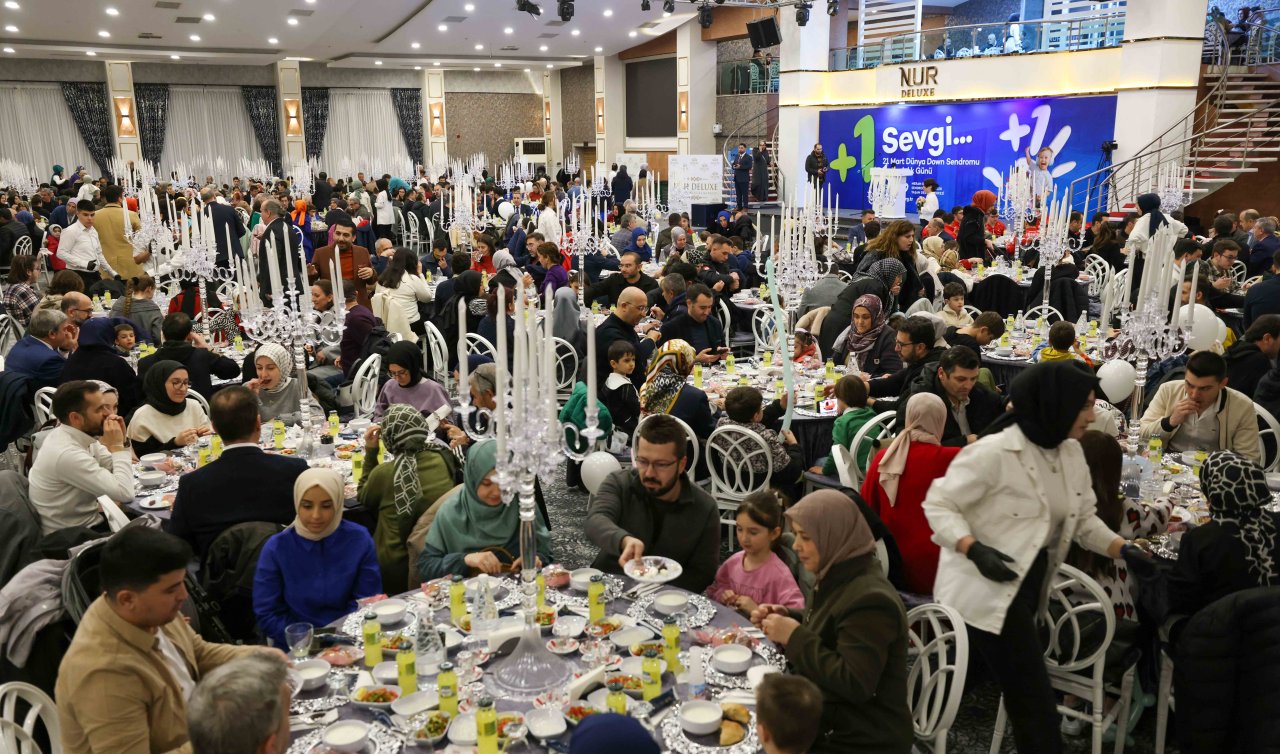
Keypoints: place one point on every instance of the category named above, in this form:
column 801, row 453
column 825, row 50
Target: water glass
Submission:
column 298, row 636
column 466, row 663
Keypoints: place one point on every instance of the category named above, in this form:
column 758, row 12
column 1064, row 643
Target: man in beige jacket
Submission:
column 119, row 251
column 1200, row 412
column 124, row 683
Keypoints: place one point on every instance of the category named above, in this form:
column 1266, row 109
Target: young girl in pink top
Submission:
column 756, row 575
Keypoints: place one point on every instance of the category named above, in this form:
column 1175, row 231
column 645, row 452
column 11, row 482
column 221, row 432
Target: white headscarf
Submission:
column 279, row 355
column 331, row 482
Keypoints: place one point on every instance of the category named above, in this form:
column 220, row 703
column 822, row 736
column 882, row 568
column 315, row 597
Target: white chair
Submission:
column 883, row 423
column 436, row 356
column 1036, row 312
column 764, row 331
column 844, row 465
column 44, row 405
column 22, row 246
column 738, row 451
column 1239, row 270
column 694, row 449
column 430, row 235
column 1098, row 269
column 244, row 216
column 739, row 345
column 1252, row 280
column 18, row 736
column 1076, row 656
column 566, row 367
column 972, row 310
column 1270, row 429
column 477, row 344
column 200, row 399
column 412, row 239
column 364, row 386
column 398, row 227
column 9, row 335
column 938, row 650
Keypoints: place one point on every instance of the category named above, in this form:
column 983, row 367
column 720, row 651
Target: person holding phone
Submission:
column 697, row 327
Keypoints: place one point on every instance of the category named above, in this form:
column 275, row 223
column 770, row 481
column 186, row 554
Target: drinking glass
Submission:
column 298, row 636
column 466, row 664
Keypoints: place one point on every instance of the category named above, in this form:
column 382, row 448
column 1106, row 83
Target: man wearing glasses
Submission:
column 633, row 304
column 1223, row 289
column 655, row 509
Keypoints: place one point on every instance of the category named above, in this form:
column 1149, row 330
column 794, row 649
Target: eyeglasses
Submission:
column 641, row 463
column 183, row 384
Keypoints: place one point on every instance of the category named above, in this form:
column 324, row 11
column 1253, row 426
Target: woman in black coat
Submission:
column 972, row 236
column 869, row 343
column 621, row 186
column 883, row 280
column 760, row 161
column 665, row 390
column 96, row 358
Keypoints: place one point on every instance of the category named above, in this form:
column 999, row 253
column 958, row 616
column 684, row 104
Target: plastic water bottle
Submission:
column 486, row 614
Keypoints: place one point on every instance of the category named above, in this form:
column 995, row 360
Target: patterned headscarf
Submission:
column 1236, row 489
column 279, row 356
column 406, row 433
column 887, row 271
column 668, row 368
column 859, row 343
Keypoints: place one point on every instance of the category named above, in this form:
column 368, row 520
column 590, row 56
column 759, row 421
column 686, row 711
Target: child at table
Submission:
column 744, row 407
column 126, row 338
column 953, row 313
column 806, row 347
column 1062, row 345
column 852, row 412
column 788, row 713
column 620, row 395
column 757, row 574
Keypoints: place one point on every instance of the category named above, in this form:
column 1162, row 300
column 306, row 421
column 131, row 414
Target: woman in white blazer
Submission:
column 1005, row 515
column 549, row 219
column 406, row 288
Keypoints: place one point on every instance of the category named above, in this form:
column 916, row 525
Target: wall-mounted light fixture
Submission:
column 546, row 117
column 437, row 118
column 599, row 115
column 126, row 124
column 684, row 111
column 293, row 117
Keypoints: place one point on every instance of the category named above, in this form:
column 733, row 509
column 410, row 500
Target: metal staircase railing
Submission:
column 1212, row 144
column 776, row 177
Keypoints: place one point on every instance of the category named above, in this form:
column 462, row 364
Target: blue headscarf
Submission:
column 100, row 332
column 634, row 244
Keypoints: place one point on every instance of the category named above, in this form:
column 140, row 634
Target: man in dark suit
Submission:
column 742, row 176
column 324, row 192
column 277, row 236
column 621, row 325
column 971, row 406
column 228, row 229
column 354, row 261
column 38, row 354
column 245, row 484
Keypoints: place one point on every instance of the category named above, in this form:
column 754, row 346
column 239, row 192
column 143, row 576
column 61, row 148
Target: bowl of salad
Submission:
column 431, row 728
column 379, row 696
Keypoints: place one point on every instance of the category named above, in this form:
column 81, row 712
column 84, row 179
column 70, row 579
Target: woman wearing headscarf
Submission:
column 898, row 479
column 1145, row 227
column 167, row 420
column 474, row 531
column 300, row 218
column 1005, row 515
column 402, row 490
column 867, row 343
column 1237, row 549
column 59, row 181
column 96, row 358
column 407, row 385
column 566, row 317
column 665, row 390
column 277, row 386
column 506, row 272
column 884, row 280
column 972, row 236
column 639, row 243
column 851, row 638
column 316, row 570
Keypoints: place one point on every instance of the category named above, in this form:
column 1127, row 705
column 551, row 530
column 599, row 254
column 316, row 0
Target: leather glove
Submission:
column 991, row 562
column 1139, row 560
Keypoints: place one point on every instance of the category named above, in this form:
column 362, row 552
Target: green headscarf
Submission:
column 466, row 524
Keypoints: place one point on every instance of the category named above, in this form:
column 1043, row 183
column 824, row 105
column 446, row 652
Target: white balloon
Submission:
column 1222, row 331
column 1117, row 379
column 596, row 467
column 1205, row 329
column 504, row 210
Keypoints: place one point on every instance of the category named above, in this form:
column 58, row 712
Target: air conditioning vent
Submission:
column 168, row 5
column 149, row 35
column 454, row 19
column 187, row 20
column 546, row 35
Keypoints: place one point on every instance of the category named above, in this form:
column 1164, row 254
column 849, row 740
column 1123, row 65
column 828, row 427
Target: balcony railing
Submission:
column 984, row 40
column 749, row 76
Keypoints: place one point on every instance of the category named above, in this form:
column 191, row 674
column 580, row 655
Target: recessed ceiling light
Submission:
column 417, row 68
column 442, row 27
column 508, row 30
column 11, row 5
column 293, row 21
column 415, row 45
column 632, row 33
column 11, row 29
column 272, row 41
column 91, row 53
column 599, row 49
column 8, row 49
column 194, row 37
column 543, row 48
column 476, row 69
column 497, row 65
column 311, row 2
column 377, row 62
column 666, row 14
column 112, row 11
column 608, row 12
column 175, row 57
column 469, row 7
column 209, row 17
column 104, row 34
column 526, row 70
column 576, row 32
column 551, row 65
column 479, row 47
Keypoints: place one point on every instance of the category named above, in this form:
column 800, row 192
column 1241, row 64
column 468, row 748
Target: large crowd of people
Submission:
column 976, row 493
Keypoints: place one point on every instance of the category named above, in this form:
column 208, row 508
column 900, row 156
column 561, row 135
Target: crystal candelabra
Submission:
column 1016, row 205
column 572, row 164
column 1054, row 244
column 196, row 256
column 529, row 442
column 302, row 182
column 887, row 191
column 465, row 194
column 584, row 238
column 1170, row 184
column 19, row 177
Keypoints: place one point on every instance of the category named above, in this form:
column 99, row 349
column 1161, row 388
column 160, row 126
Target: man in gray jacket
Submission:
column 655, row 509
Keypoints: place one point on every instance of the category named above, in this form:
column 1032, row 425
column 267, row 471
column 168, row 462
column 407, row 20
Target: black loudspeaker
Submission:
column 701, row 215
column 764, row 33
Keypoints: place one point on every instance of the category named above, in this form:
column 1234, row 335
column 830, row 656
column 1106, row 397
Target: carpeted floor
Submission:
column 975, row 721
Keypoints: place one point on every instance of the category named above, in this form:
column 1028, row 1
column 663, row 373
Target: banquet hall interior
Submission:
column 697, row 376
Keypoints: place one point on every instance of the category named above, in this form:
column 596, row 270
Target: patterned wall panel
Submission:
column 577, row 95
column 479, row 122
column 51, row 70
column 204, row 75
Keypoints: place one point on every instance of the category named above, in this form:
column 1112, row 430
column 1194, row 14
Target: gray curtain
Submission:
column 408, row 104
column 152, row 103
column 315, row 118
column 260, row 104
column 87, row 102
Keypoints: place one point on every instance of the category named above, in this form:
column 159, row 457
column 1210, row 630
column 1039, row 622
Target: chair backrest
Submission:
column 1100, row 272
column 764, row 329
column 412, row 224
column 741, row 464
column 726, row 320
column 1268, row 438
column 972, row 310
column 1120, row 284
column 1080, row 620
column 844, row 465
column 14, row 738
column 430, row 228
column 22, row 246
column 364, row 386
column 938, row 650
column 244, row 216
column 1239, row 270
column 1049, row 313
column 9, row 335
column 40, row 708
column 44, row 405
column 694, row 449
column 200, row 399
column 479, row 345
column 437, row 352
column 878, row 429
column 566, row 366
